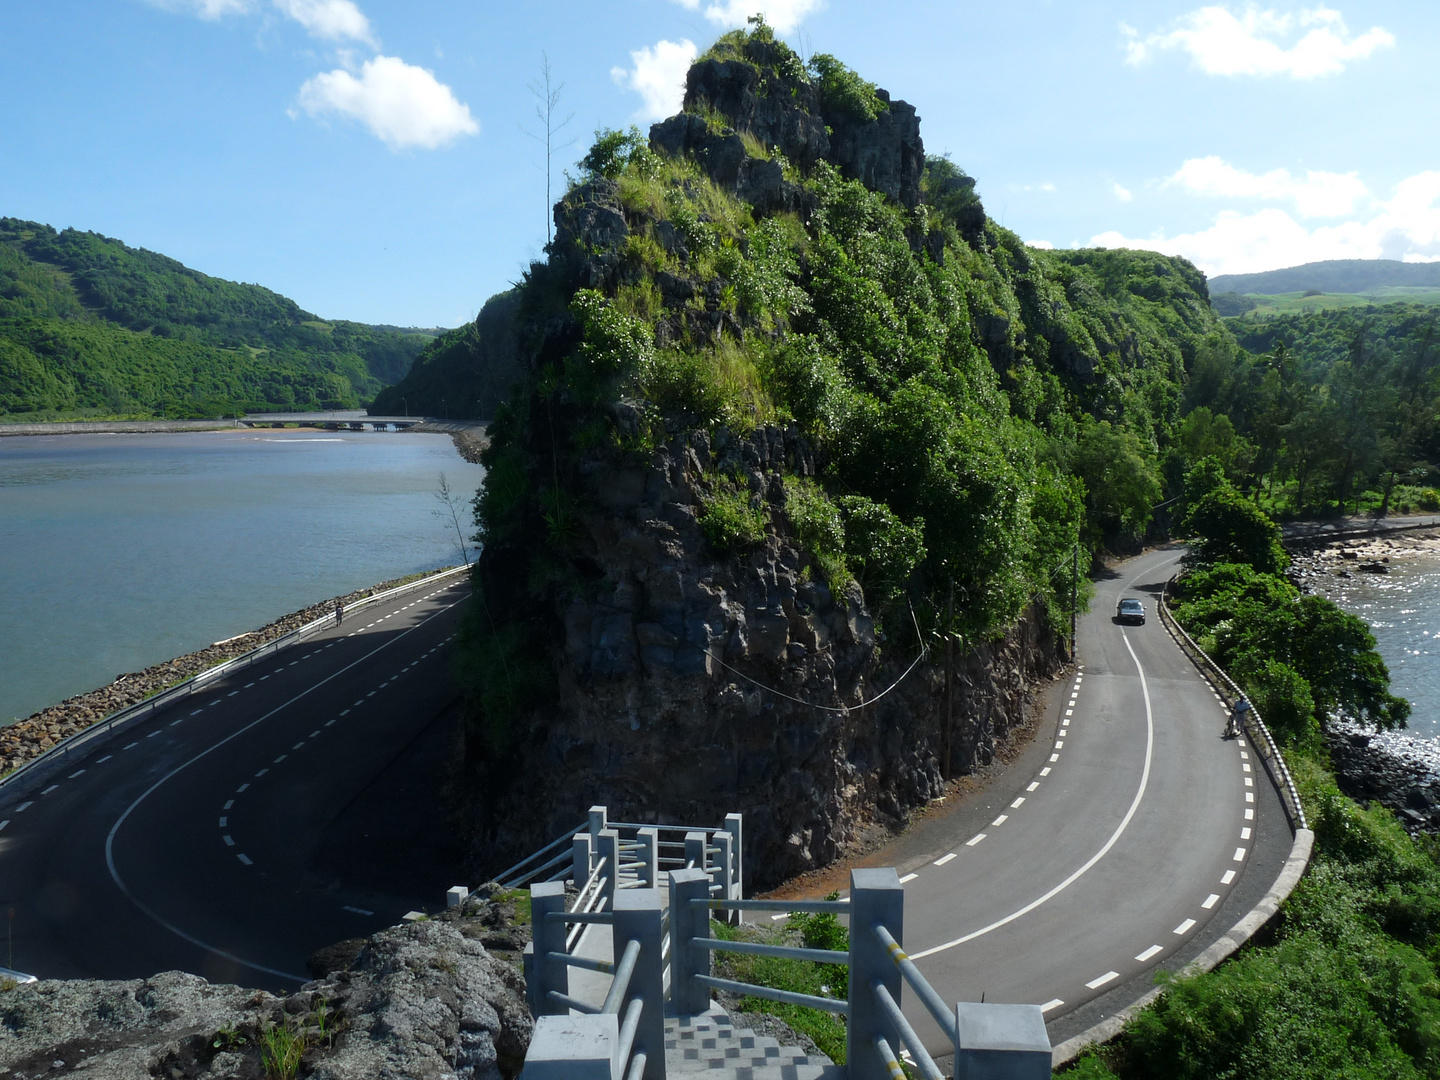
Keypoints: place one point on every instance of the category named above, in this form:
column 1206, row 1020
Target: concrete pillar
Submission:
column 735, row 826
column 582, row 858
column 456, row 896
column 609, row 850
column 724, row 873
column 695, row 856
column 690, row 998
column 875, row 897
column 574, row 1048
column 638, row 915
column 599, row 822
column 532, row 979
column 548, row 937
column 1001, row 1042
column 649, row 855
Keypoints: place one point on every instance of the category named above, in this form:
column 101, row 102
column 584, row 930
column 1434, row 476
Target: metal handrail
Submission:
column 890, row 1058
column 629, row 1026
column 624, row 970
column 189, row 686
column 597, row 898
column 574, row 1003
column 637, row 1066
column 1274, row 760
column 789, row 997
column 605, row 918
column 505, row 876
column 785, row 952
column 829, row 907
column 907, row 1033
column 604, row 967
column 933, row 1002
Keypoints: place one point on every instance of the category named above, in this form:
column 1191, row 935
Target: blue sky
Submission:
column 367, row 157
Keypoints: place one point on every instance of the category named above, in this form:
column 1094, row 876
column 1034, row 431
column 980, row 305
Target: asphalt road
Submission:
column 192, row 839
column 1111, row 854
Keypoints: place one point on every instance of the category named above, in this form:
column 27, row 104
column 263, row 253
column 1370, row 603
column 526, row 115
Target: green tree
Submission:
column 1229, row 528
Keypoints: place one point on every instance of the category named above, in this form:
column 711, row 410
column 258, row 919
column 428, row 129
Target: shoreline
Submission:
column 28, row 738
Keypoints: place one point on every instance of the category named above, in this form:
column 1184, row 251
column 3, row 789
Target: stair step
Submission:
column 711, row 1045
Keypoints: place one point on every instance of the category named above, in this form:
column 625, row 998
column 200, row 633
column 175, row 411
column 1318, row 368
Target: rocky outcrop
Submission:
column 423, row 1001
column 783, row 111
column 1397, row 770
column 691, row 684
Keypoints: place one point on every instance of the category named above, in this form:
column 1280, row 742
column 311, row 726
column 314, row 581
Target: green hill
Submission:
column 89, row 325
column 1332, row 276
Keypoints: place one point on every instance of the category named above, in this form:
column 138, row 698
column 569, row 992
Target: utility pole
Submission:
column 949, row 680
column 1074, row 593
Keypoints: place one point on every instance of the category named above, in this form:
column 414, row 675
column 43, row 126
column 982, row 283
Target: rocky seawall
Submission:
column 421, row 1001
column 27, row 739
column 691, row 685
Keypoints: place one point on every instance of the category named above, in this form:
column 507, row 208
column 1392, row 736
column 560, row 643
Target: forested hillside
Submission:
column 90, row 325
column 1324, row 411
column 790, row 404
column 1332, row 276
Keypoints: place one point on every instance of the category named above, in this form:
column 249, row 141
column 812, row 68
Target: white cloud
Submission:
column 402, row 104
column 1124, row 194
column 783, row 15
column 1406, row 227
column 334, row 20
column 1319, row 194
column 206, row 9
column 1043, row 245
column 1221, row 43
column 658, row 77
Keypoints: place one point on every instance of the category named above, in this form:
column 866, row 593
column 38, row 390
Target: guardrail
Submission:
column 623, row 1039
column 1270, row 754
column 101, row 728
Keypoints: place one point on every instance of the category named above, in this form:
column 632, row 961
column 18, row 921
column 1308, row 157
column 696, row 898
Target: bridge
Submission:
column 348, row 420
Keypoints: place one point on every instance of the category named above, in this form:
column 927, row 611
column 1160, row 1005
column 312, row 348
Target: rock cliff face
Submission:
column 691, row 686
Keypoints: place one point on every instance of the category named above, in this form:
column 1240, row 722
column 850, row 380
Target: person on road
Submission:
column 1235, row 725
column 339, row 613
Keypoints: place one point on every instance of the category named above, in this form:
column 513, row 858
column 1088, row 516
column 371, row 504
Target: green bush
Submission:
column 729, row 521
column 1283, row 697
column 817, row 525
column 1429, row 500
column 843, row 91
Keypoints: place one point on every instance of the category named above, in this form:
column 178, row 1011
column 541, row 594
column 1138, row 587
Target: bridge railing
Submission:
column 62, row 750
column 1230, row 693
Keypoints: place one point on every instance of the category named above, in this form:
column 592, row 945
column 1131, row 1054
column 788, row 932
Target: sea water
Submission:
column 121, row 551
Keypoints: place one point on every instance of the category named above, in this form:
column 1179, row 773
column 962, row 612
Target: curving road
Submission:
column 1108, row 852
column 200, row 838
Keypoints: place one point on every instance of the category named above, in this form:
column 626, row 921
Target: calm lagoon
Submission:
column 121, row 551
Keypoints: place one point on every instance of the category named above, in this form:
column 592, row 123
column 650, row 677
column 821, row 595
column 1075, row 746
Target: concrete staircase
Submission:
column 711, row 1046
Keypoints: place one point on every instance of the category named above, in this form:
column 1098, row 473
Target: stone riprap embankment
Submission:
column 27, row 739
column 1315, row 559
column 421, row 1001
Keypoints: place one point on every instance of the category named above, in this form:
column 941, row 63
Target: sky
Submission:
column 375, row 160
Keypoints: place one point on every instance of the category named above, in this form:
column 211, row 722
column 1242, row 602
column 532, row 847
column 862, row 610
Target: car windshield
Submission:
column 1130, row 605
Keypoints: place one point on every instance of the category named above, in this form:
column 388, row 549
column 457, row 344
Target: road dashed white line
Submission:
column 1227, row 877
column 1151, row 952
column 943, row 859
column 244, row 859
column 1184, row 928
column 1210, row 901
column 1109, row 976
column 908, row 877
column 1053, row 1003
column 975, row 839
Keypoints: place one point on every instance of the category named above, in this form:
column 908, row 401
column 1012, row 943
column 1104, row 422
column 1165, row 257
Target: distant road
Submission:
column 117, row 427
column 1131, row 827
column 191, row 840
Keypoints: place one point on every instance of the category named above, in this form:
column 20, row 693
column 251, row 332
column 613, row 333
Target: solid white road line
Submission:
column 1105, row 848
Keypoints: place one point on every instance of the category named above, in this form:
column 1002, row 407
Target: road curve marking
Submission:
column 943, row 859
column 1149, row 954
column 114, row 829
column 1095, row 984
column 1104, row 850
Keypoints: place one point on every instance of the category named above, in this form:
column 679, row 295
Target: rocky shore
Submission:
column 29, row 738
column 1398, row 770
column 425, row 1000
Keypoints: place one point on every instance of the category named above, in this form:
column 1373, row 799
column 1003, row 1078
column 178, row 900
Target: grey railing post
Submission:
column 548, row 936
column 876, row 898
column 690, row 998
column 599, row 822
column 649, row 858
column 639, row 915
column 695, row 857
column 574, row 1048
column 1000, row 1042
column 609, row 850
column 735, row 826
column 582, row 858
column 532, row 979
column 724, row 870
